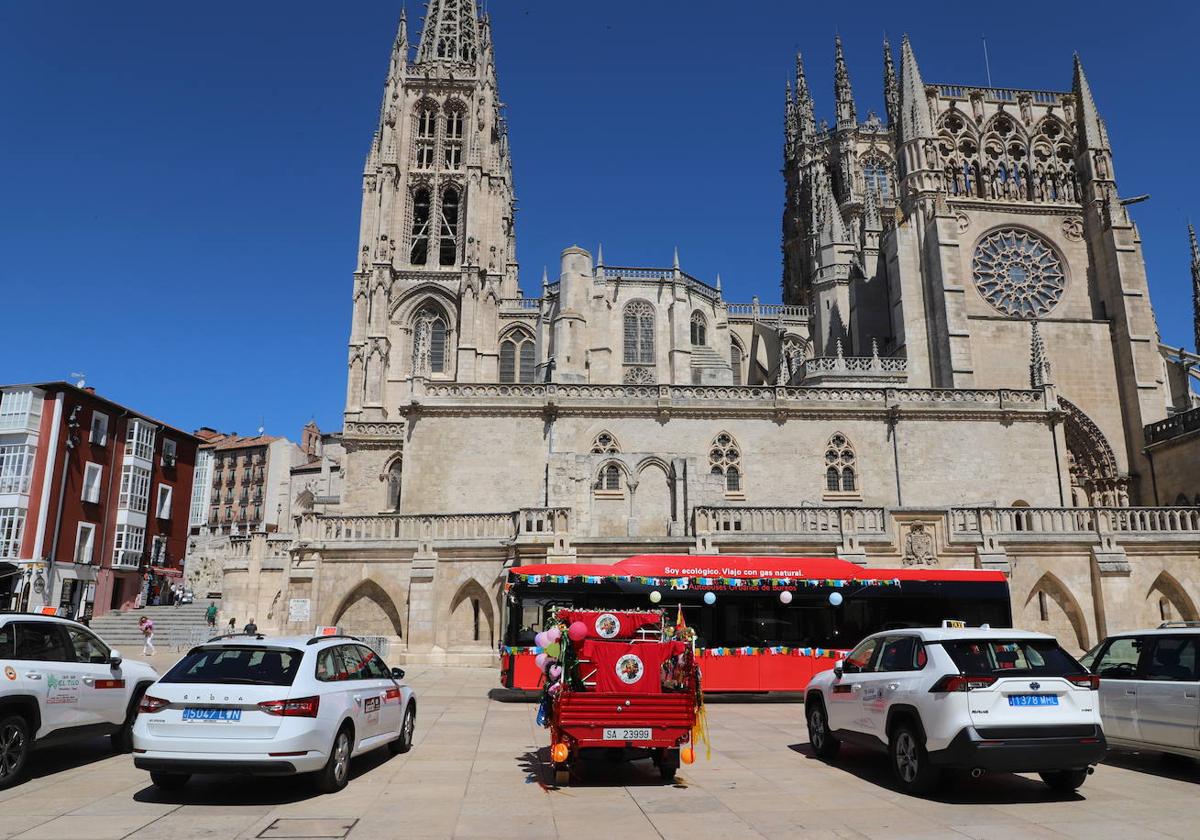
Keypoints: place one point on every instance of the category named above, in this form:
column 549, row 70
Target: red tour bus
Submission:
column 773, row 621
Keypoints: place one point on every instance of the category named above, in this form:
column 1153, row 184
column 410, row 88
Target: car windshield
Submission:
column 237, row 665
column 1012, row 656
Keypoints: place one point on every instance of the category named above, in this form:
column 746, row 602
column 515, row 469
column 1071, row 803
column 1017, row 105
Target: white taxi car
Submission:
column 973, row 699
column 61, row 683
column 272, row 706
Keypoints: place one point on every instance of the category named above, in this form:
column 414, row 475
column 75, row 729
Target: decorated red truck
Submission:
column 619, row 682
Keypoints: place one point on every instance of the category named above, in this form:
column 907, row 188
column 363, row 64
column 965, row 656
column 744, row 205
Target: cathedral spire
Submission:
column 846, row 117
column 1090, row 126
column 1195, row 287
column 891, row 86
column 1039, row 363
column 450, row 32
column 914, row 107
column 806, row 122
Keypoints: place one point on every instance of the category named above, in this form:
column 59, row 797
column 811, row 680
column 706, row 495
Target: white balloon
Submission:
column 710, row 598
column 655, row 596
column 785, row 597
column 835, row 598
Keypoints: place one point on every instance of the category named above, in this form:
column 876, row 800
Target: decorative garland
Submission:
column 826, row 653
column 687, row 582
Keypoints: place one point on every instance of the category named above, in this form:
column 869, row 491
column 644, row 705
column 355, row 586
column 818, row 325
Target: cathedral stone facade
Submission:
column 961, row 372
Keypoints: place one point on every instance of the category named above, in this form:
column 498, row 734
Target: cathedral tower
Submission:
column 436, row 246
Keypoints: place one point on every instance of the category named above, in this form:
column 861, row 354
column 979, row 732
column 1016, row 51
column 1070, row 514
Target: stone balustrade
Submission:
column 820, row 523
column 1174, row 426
column 526, row 523
column 1037, row 97
column 767, row 311
column 1081, row 522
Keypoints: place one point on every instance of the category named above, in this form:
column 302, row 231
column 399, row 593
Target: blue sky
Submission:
column 180, row 183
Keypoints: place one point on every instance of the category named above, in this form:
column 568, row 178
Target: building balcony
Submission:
column 1186, row 422
column 839, row 369
column 127, row 560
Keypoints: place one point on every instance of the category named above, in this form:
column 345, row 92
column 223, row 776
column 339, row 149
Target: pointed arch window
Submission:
column 736, row 356
column 639, row 333
column 394, row 475
column 606, row 444
column 518, row 362
column 418, row 250
column 448, row 249
column 426, row 135
column 453, row 135
column 877, row 178
column 841, row 466
column 429, row 340
column 725, row 459
column 699, row 330
column 609, row 479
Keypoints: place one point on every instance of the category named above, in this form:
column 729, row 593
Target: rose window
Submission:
column 1018, row 273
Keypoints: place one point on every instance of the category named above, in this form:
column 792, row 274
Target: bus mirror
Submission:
column 839, row 668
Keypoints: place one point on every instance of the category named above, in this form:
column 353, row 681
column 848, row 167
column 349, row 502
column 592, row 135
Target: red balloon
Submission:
column 577, row 631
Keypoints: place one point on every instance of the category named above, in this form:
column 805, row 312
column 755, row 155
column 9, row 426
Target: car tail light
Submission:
column 150, row 705
column 960, row 682
column 299, row 707
column 1091, row 681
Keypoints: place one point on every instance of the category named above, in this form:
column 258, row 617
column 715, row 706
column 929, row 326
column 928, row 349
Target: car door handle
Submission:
column 33, row 675
column 1130, row 693
column 893, row 686
column 89, row 680
column 856, row 687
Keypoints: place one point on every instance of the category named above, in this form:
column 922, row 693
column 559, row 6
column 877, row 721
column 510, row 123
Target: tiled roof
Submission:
column 227, row 442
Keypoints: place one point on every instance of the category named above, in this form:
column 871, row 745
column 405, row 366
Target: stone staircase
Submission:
column 174, row 627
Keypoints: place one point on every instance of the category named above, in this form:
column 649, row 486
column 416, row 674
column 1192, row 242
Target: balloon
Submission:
column 710, row 598
column 835, row 598
column 687, row 755
column 542, row 661
column 553, row 635
column 540, row 640
column 553, row 650
column 655, row 596
column 577, row 631
column 555, row 671
column 785, row 597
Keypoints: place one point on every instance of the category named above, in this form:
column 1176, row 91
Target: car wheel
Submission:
column 823, row 743
column 15, row 741
column 122, row 739
column 910, row 761
column 336, row 773
column 1065, row 781
column 404, row 743
column 169, row 781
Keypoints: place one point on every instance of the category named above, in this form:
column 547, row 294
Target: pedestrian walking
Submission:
column 232, row 625
column 147, row 628
column 251, row 628
column 177, row 591
column 210, row 615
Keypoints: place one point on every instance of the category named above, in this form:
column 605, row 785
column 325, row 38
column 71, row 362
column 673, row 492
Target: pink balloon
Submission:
column 541, row 640
column 555, row 671
column 577, row 631
column 542, row 660
column 553, row 634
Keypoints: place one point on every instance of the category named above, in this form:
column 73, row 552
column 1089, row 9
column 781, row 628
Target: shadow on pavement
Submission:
column 957, row 789
column 49, row 760
column 253, row 790
column 595, row 771
column 513, row 695
column 1177, row 767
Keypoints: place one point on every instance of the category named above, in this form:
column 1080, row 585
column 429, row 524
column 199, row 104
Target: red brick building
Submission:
column 93, row 500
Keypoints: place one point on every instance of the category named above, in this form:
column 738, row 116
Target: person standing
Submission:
column 147, row 628
column 210, row 615
column 251, row 628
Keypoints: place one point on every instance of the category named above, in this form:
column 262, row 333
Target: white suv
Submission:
column 1150, row 688
column 972, row 699
column 61, row 683
column 272, row 706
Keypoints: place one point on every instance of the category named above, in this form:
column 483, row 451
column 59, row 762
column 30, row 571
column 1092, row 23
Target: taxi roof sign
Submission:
column 953, row 623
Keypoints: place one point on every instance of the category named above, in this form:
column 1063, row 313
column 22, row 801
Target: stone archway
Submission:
column 368, row 611
column 1179, row 605
column 653, row 499
column 1095, row 476
column 471, row 621
column 1052, row 608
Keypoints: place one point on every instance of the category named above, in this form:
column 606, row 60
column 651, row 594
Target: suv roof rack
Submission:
column 1167, row 624
column 239, row 634
column 316, row 639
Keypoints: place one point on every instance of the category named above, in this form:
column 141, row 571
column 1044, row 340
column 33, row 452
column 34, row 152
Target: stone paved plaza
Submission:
column 475, row 772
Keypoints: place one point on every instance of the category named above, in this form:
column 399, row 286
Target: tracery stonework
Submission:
column 1018, row 273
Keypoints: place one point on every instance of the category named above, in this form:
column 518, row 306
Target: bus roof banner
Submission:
column 687, row 571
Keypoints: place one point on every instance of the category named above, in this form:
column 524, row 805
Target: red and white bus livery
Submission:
column 762, row 623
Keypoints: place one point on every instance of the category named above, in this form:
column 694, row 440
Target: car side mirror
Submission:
column 114, row 658
column 397, row 673
column 839, row 668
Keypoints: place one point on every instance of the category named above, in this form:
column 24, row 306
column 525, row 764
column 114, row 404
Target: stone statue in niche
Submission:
column 918, row 547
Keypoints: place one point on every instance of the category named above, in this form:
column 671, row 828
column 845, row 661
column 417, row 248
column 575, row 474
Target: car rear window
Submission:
column 237, row 665
column 1008, row 656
